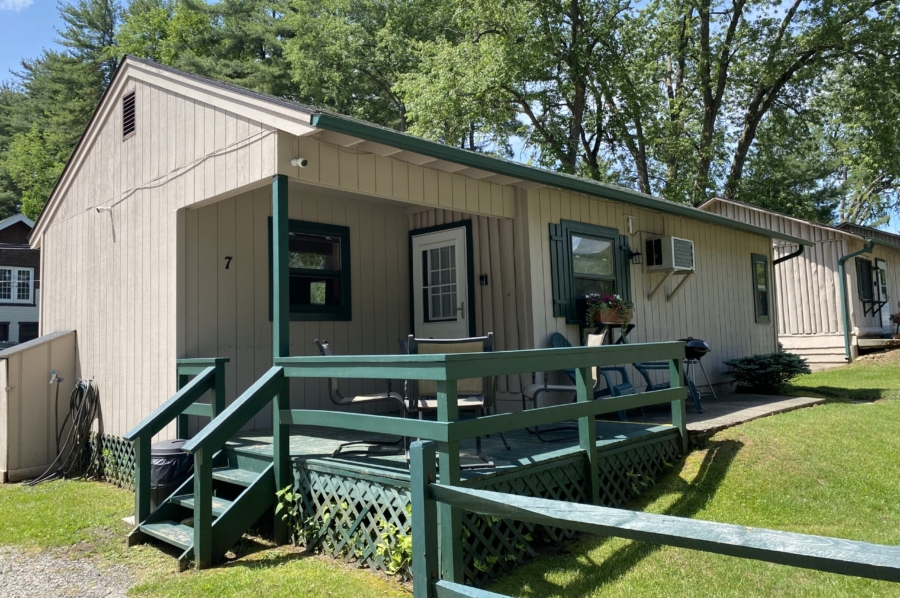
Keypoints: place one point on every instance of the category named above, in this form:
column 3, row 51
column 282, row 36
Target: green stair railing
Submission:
column 209, row 375
column 834, row 555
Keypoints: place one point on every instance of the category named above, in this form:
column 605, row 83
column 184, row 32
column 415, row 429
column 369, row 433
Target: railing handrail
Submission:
column 459, row 366
column 478, row 426
column 163, row 415
column 834, row 555
column 239, row 413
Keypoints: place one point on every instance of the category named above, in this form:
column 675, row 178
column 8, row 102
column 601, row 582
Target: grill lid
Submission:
column 694, row 348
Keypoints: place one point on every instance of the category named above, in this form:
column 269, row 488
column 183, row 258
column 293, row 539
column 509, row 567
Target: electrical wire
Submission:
column 75, row 457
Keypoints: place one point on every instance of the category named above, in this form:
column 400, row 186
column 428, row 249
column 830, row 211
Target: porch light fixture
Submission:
column 636, row 257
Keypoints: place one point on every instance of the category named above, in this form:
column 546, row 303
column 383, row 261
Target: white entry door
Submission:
column 440, row 284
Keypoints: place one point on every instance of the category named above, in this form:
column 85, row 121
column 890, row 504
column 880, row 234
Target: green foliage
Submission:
column 394, row 548
column 767, row 373
column 289, row 507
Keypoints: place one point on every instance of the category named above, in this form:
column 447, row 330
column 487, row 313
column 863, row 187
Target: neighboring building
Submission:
column 157, row 246
column 811, row 315
column 20, row 282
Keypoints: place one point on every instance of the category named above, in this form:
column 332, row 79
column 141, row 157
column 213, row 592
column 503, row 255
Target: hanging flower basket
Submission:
column 606, row 315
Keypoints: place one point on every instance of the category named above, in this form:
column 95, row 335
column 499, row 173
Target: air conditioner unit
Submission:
column 668, row 254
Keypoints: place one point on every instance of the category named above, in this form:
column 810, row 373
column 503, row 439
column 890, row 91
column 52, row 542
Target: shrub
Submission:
column 767, row 373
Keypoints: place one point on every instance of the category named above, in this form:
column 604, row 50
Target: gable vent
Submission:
column 128, row 116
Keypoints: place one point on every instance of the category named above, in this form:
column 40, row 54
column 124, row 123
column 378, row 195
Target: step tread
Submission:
column 234, row 475
column 170, row 532
column 219, row 505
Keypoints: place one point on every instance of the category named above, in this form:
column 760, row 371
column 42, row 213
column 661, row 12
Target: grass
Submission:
column 831, row 470
column 82, row 520
column 872, row 377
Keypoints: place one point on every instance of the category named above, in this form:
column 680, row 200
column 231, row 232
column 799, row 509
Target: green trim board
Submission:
column 470, row 265
column 312, row 313
column 433, row 149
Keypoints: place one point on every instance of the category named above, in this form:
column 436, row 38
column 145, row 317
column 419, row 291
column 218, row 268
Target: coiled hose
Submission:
column 75, row 457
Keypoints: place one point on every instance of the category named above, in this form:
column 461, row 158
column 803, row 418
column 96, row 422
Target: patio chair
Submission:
column 334, row 393
column 474, row 395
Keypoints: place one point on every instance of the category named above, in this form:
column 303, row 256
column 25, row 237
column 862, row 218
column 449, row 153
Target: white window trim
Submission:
column 14, row 292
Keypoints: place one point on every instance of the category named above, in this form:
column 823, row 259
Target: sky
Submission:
column 26, row 28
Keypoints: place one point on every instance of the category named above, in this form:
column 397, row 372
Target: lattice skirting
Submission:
column 351, row 516
column 117, row 462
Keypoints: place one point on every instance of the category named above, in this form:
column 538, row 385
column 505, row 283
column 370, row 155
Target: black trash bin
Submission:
column 170, row 466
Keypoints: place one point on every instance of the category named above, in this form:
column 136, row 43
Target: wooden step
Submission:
column 219, row 505
column 233, row 475
column 170, row 532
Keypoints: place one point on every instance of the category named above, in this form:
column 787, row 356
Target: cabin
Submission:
column 823, row 316
column 202, row 237
column 20, row 282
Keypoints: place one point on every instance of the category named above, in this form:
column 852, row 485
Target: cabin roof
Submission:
column 299, row 119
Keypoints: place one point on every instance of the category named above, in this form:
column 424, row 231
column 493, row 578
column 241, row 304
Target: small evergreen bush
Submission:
column 767, row 373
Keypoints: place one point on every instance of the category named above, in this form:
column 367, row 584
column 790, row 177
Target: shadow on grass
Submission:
column 835, row 394
column 587, row 577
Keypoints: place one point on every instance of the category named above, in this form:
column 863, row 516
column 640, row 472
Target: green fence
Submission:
column 432, row 578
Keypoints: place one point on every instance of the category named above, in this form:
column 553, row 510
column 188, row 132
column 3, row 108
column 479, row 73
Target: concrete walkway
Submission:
column 729, row 410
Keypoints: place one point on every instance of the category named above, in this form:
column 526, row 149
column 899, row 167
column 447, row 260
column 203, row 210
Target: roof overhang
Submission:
column 367, row 132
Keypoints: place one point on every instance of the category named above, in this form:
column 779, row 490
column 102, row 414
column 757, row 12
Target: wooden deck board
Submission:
column 314, row 446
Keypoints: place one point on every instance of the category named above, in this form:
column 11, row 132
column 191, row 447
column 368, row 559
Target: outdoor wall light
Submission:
column 636, row 257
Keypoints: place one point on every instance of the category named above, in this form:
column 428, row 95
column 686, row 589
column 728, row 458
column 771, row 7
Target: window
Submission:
column 440, row 289
column 4, row 332
column 128, row 116
column 28, row 331
column 319, row 270
column 761, row 288
column 881, row 291
column 16, row 285
column 864, row 283
column 586, row 259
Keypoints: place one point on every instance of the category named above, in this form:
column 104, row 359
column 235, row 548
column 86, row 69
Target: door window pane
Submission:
column 5, row 284
column 23, row 286
column 440, row 269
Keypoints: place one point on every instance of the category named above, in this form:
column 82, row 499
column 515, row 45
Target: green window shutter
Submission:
column 623, row 269
column 864, row 279
column 558, row 272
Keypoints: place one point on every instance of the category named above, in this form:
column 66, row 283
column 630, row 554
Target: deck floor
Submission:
column 317, row 444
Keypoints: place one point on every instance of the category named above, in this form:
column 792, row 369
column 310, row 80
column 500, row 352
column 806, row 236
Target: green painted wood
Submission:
column 834, row 555
column 587, row 435
column 219, row 505
column 422, row 473
column 281, row 452
column 378, row 424
column 184, row 364
column 203, row 467
column 165, row 413
column 218, row 390
column 182, row 424
column 142, row 478
column 448, row 462
column 459, row 366
column 281, row 307
column 234, row 475
column 241, row 411
column 170, row 532
column 448, row 589
column 243, row 512
column 199, row 409
column 679, row 412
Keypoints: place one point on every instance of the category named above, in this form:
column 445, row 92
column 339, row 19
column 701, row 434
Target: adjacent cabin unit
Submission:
column 20, row 282
column 157, row 244
column 826, row 319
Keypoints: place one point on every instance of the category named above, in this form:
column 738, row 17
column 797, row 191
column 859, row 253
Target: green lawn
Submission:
column 875, row 376
column 831, row 470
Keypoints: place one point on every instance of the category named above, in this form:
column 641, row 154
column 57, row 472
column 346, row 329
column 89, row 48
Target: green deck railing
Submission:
column 209, row 375
column 447, row 431
column 834, row 555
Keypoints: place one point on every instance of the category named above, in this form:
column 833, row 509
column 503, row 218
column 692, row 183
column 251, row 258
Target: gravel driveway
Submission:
column 26, row 575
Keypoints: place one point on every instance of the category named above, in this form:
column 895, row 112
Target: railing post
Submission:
column 203, row 508
column 424, row 519
column 218, row 397
column 448, row 463
column 141, row 478
column 587, row 435
column 679, row 414
column 281, row 316
column 281, row 452
column 181, row 422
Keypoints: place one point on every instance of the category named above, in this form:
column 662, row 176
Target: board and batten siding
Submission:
column 111, row 276
column 809, row 305
column 500, row 252
column 716, row 304
column 226, row 311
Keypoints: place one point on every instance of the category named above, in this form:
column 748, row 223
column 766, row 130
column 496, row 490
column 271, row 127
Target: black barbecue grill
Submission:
column 694, row 350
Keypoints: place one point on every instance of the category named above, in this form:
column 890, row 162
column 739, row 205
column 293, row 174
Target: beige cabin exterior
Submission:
column 175, row 263
column 809, row 309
